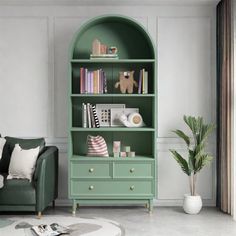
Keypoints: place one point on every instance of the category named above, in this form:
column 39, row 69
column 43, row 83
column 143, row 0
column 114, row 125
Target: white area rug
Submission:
column 16, row 226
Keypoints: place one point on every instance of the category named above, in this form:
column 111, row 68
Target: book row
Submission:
column 92, row 81
column 89, row 116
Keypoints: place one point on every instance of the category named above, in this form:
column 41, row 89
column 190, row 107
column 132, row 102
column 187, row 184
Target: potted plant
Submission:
column 196, row 160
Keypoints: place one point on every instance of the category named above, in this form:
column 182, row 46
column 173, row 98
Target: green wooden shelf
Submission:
column 111, row 129
column 112, row 61
column 113, row 95
column 87, row 158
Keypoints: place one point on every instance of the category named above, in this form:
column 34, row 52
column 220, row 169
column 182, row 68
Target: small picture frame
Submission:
column 104, row 113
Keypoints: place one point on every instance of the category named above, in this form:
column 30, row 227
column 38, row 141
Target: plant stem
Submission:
column 194, row 184
column 191, row 184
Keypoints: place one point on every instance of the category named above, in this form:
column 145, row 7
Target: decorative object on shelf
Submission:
column 126, row 82
column 100, row 50
column 132, row 120
column 131, row 154
column 116, row 154
column 123, row 154
column 117, row 112
column 197, row 158
column 126, row 148
column 104, row 112
column 112, row 50
column 97, row 146
column 116, row 146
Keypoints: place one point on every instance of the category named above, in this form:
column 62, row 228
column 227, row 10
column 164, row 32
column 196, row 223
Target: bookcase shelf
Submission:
column 99, row 159
column 111, row 129
column 113, row 179
column 111, row 61
column 112, row 95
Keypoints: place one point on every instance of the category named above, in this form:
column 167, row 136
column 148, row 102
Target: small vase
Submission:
column 192, row 204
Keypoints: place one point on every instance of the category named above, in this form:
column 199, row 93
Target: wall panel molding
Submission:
column 108, row 2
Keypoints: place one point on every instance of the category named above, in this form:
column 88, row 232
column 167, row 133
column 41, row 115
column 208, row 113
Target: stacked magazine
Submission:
column 50, row 230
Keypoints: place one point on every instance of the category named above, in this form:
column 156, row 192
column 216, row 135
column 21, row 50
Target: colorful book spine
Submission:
column 140, row 82
column 143, row 78
column 104, row 82
column 96, row 120
column 84, row 115
column 88, row 116
column 146, row 82
column 86, row 80
column 81, row 80
column 92, row 116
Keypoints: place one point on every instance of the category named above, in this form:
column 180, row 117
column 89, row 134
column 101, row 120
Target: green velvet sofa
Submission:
column 22, row 195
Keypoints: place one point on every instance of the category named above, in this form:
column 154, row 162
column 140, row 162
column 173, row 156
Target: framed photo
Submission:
column 104, row 113
column 117, row 112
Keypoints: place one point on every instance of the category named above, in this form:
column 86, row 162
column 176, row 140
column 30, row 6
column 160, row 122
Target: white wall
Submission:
column 34, row 42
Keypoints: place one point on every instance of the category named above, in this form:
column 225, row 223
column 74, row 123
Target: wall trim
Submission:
column 108, row 2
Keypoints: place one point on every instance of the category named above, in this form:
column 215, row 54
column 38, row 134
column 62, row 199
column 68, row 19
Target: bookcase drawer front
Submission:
column 111, row 188
column 142, row 170
column 90, row 170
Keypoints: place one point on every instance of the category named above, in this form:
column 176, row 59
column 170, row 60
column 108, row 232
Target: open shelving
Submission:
column 114, row 180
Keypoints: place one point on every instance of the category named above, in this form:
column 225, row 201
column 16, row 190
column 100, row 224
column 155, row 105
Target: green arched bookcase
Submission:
column 113, row 180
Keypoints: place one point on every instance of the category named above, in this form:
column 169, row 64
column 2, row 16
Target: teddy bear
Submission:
column 126, row 82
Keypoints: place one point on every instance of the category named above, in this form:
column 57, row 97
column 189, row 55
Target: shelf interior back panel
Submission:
column 140, row 142
column 145, row 105
column 114, row 32
column 112, row 74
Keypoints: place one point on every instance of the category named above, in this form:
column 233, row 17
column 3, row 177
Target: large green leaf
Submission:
column 197, row 157
column 201, row 161
column 182, row 162
column 182, row 135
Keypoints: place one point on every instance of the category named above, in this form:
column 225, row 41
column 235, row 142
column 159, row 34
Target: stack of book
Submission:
column 143, row 82
column 89, row 116
column 102, row 51
column 92, row 81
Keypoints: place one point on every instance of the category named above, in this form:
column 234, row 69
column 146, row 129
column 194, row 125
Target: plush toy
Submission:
column 126, row 82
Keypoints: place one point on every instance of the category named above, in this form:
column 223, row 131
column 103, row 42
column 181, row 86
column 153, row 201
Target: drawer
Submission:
column 113, row 189
column 142, row 170
column 90, row 170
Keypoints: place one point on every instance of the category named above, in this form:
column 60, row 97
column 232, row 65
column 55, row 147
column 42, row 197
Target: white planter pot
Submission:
column 192, row 204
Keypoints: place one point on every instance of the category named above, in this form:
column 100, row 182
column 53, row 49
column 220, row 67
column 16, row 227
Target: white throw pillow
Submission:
column 2, row 143
column 22, row 164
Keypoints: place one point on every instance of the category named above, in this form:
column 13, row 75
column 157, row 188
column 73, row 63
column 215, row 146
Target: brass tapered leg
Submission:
column 39, row 215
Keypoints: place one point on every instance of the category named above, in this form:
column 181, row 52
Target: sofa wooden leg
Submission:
column 39, row 215
column 53, row 203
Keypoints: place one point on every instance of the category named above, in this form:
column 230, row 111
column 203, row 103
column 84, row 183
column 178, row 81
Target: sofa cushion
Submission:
column 24, row 143
column 18, row 192
column 22, row 163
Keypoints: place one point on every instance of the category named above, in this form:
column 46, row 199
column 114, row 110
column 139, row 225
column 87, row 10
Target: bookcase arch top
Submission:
column 130, row 38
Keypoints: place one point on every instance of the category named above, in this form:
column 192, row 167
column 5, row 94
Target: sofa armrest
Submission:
column 46, row 177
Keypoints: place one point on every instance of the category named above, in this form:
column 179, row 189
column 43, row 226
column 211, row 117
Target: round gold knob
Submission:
column 91, row 170
column 131, row 170
column 91, row 187
column 132, row 188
